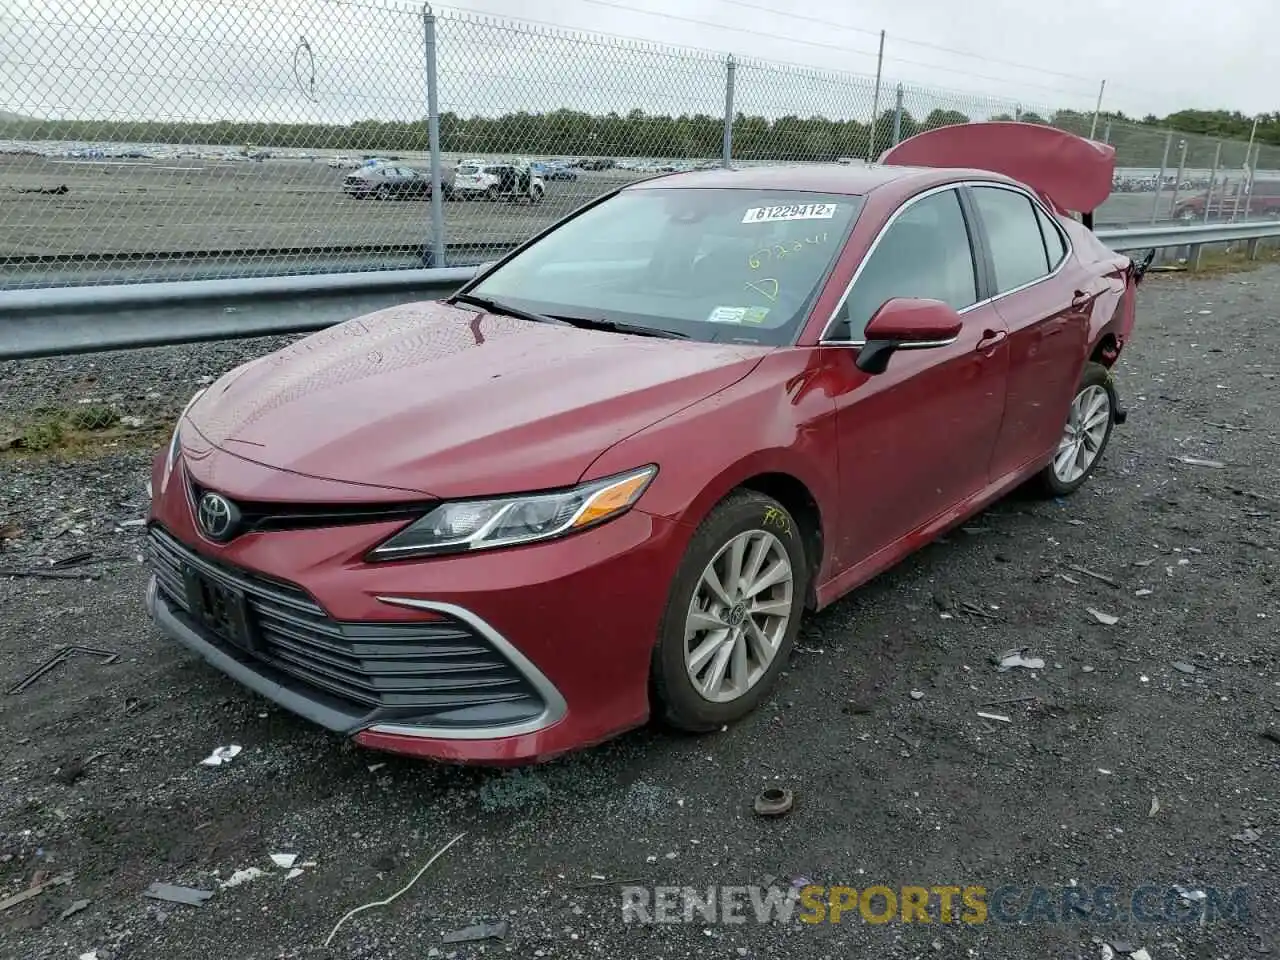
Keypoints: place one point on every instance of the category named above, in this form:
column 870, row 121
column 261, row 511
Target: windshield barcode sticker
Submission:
column 791, row 211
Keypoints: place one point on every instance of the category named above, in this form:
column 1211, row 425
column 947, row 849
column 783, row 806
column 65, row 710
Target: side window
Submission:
column 925, row 253
column 1053, row 241
column 1013, row 234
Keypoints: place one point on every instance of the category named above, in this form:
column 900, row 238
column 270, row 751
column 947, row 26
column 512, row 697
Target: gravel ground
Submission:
column 875, row 726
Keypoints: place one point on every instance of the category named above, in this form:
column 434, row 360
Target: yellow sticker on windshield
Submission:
column 738, row 315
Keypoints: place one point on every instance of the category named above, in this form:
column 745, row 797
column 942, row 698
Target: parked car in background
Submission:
column 559, row 171
column 607, row 478
column 497, row 181
column 393, row 182
column 1262, row 199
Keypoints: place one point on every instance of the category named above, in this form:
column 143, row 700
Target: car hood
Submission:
column 448, row 402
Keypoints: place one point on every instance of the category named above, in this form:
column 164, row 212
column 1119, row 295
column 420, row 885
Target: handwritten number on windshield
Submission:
column 780, row 250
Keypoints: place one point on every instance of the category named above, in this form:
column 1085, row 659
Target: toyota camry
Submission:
column 604, row 480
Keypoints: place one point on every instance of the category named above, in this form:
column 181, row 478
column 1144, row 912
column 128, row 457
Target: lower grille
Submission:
column 439, row 670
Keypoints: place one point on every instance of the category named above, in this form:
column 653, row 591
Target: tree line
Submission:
column 639, row 134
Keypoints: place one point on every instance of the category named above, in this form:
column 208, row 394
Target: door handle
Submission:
column 1082, row 299
column 990, row 338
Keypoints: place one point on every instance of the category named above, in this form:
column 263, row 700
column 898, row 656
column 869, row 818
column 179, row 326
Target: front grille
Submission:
column 263, row 516
column 441, row 670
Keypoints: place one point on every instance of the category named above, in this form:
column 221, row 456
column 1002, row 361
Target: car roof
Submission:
column 854, row 180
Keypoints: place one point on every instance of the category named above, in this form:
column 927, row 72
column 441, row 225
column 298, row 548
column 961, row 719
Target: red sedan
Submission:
column 606, row 479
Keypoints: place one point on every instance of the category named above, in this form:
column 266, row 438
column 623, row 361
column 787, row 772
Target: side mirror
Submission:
column 906, row 324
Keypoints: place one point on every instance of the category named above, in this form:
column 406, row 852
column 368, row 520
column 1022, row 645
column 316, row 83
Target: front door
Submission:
column 916, row 440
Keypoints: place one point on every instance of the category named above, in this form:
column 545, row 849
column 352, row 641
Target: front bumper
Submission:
column 504, row 656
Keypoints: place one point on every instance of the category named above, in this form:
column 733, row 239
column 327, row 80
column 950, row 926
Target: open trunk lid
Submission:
column 1072, row 173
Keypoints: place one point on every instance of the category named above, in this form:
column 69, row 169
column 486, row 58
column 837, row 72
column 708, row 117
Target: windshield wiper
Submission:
column 620, row 326
column 497, row 306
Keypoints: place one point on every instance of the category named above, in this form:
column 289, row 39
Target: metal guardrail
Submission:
column 87, row 319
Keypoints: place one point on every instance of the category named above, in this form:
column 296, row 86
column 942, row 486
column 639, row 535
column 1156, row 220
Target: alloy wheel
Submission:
column 738, row 616
column 1084, row 434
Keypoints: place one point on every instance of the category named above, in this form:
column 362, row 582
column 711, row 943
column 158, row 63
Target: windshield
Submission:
column 468, row 168
column 711, row 264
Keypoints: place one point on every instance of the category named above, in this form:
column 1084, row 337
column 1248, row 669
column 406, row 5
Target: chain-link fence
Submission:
column 141, row 139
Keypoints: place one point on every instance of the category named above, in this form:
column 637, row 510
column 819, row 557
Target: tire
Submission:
column 1055, row 480
column 535, row 195
column 383, row 193
column 491, row 194
column 745, row 518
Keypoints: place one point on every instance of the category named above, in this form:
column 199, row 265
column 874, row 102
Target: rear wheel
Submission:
column 383, row 192
column 491, row 194
column 1085, row 435
column 535, row 196
column 732, row 614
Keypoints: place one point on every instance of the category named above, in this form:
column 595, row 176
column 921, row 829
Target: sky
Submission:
column 345, row 60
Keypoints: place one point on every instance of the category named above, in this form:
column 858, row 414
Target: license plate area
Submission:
column 220, row 609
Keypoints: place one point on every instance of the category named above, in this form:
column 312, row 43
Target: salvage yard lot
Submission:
column 875, row 726
column 186, row 205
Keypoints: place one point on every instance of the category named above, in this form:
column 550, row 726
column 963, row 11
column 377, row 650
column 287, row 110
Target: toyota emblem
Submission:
column 217, row 516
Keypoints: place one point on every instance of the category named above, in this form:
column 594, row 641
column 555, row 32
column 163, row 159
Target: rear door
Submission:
column 1044, row 298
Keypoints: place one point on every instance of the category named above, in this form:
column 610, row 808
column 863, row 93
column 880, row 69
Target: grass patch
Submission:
column 79, row 431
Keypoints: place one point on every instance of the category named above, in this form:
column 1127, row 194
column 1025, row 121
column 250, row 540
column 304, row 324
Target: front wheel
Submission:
column 1085, row 436
column 732, row 615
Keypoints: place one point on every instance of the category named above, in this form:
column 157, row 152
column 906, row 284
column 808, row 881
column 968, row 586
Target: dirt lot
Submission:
column 175, row 206
column 875, row 727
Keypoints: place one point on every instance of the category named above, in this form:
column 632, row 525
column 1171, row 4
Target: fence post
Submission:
column 897, row 116
column 437, row 258
column 726, row 148
column 1177, row 181
column 1164, row 165
column 1093, row 128
column 875, row 104
column 1246, row 172
column 1106, row 133
column 1213, row 182
column 1253, row 172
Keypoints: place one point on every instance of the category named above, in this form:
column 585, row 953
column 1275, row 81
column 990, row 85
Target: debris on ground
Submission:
column 45, row 574
column 1198, row 462
column 1248, row 835
column 75, row 908
column 1190, row 895
column 60, row 190
column 106, row 657
column 774, row 802
column 1101, row 577
column 1155, row 807
column 241, row 876
column 1144, row 592
column 1183, row 667
column 1017, row 658
column 284, row 860
column 172, row 893
column 480, row 931
column 222, row 755
column 994, row 716
column 382, row 903
column 977, row 611
column 1108, row 619
column 37, row 887
column 917, row 694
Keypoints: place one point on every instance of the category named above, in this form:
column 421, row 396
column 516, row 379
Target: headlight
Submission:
column 171, row 457
column 464, row 525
